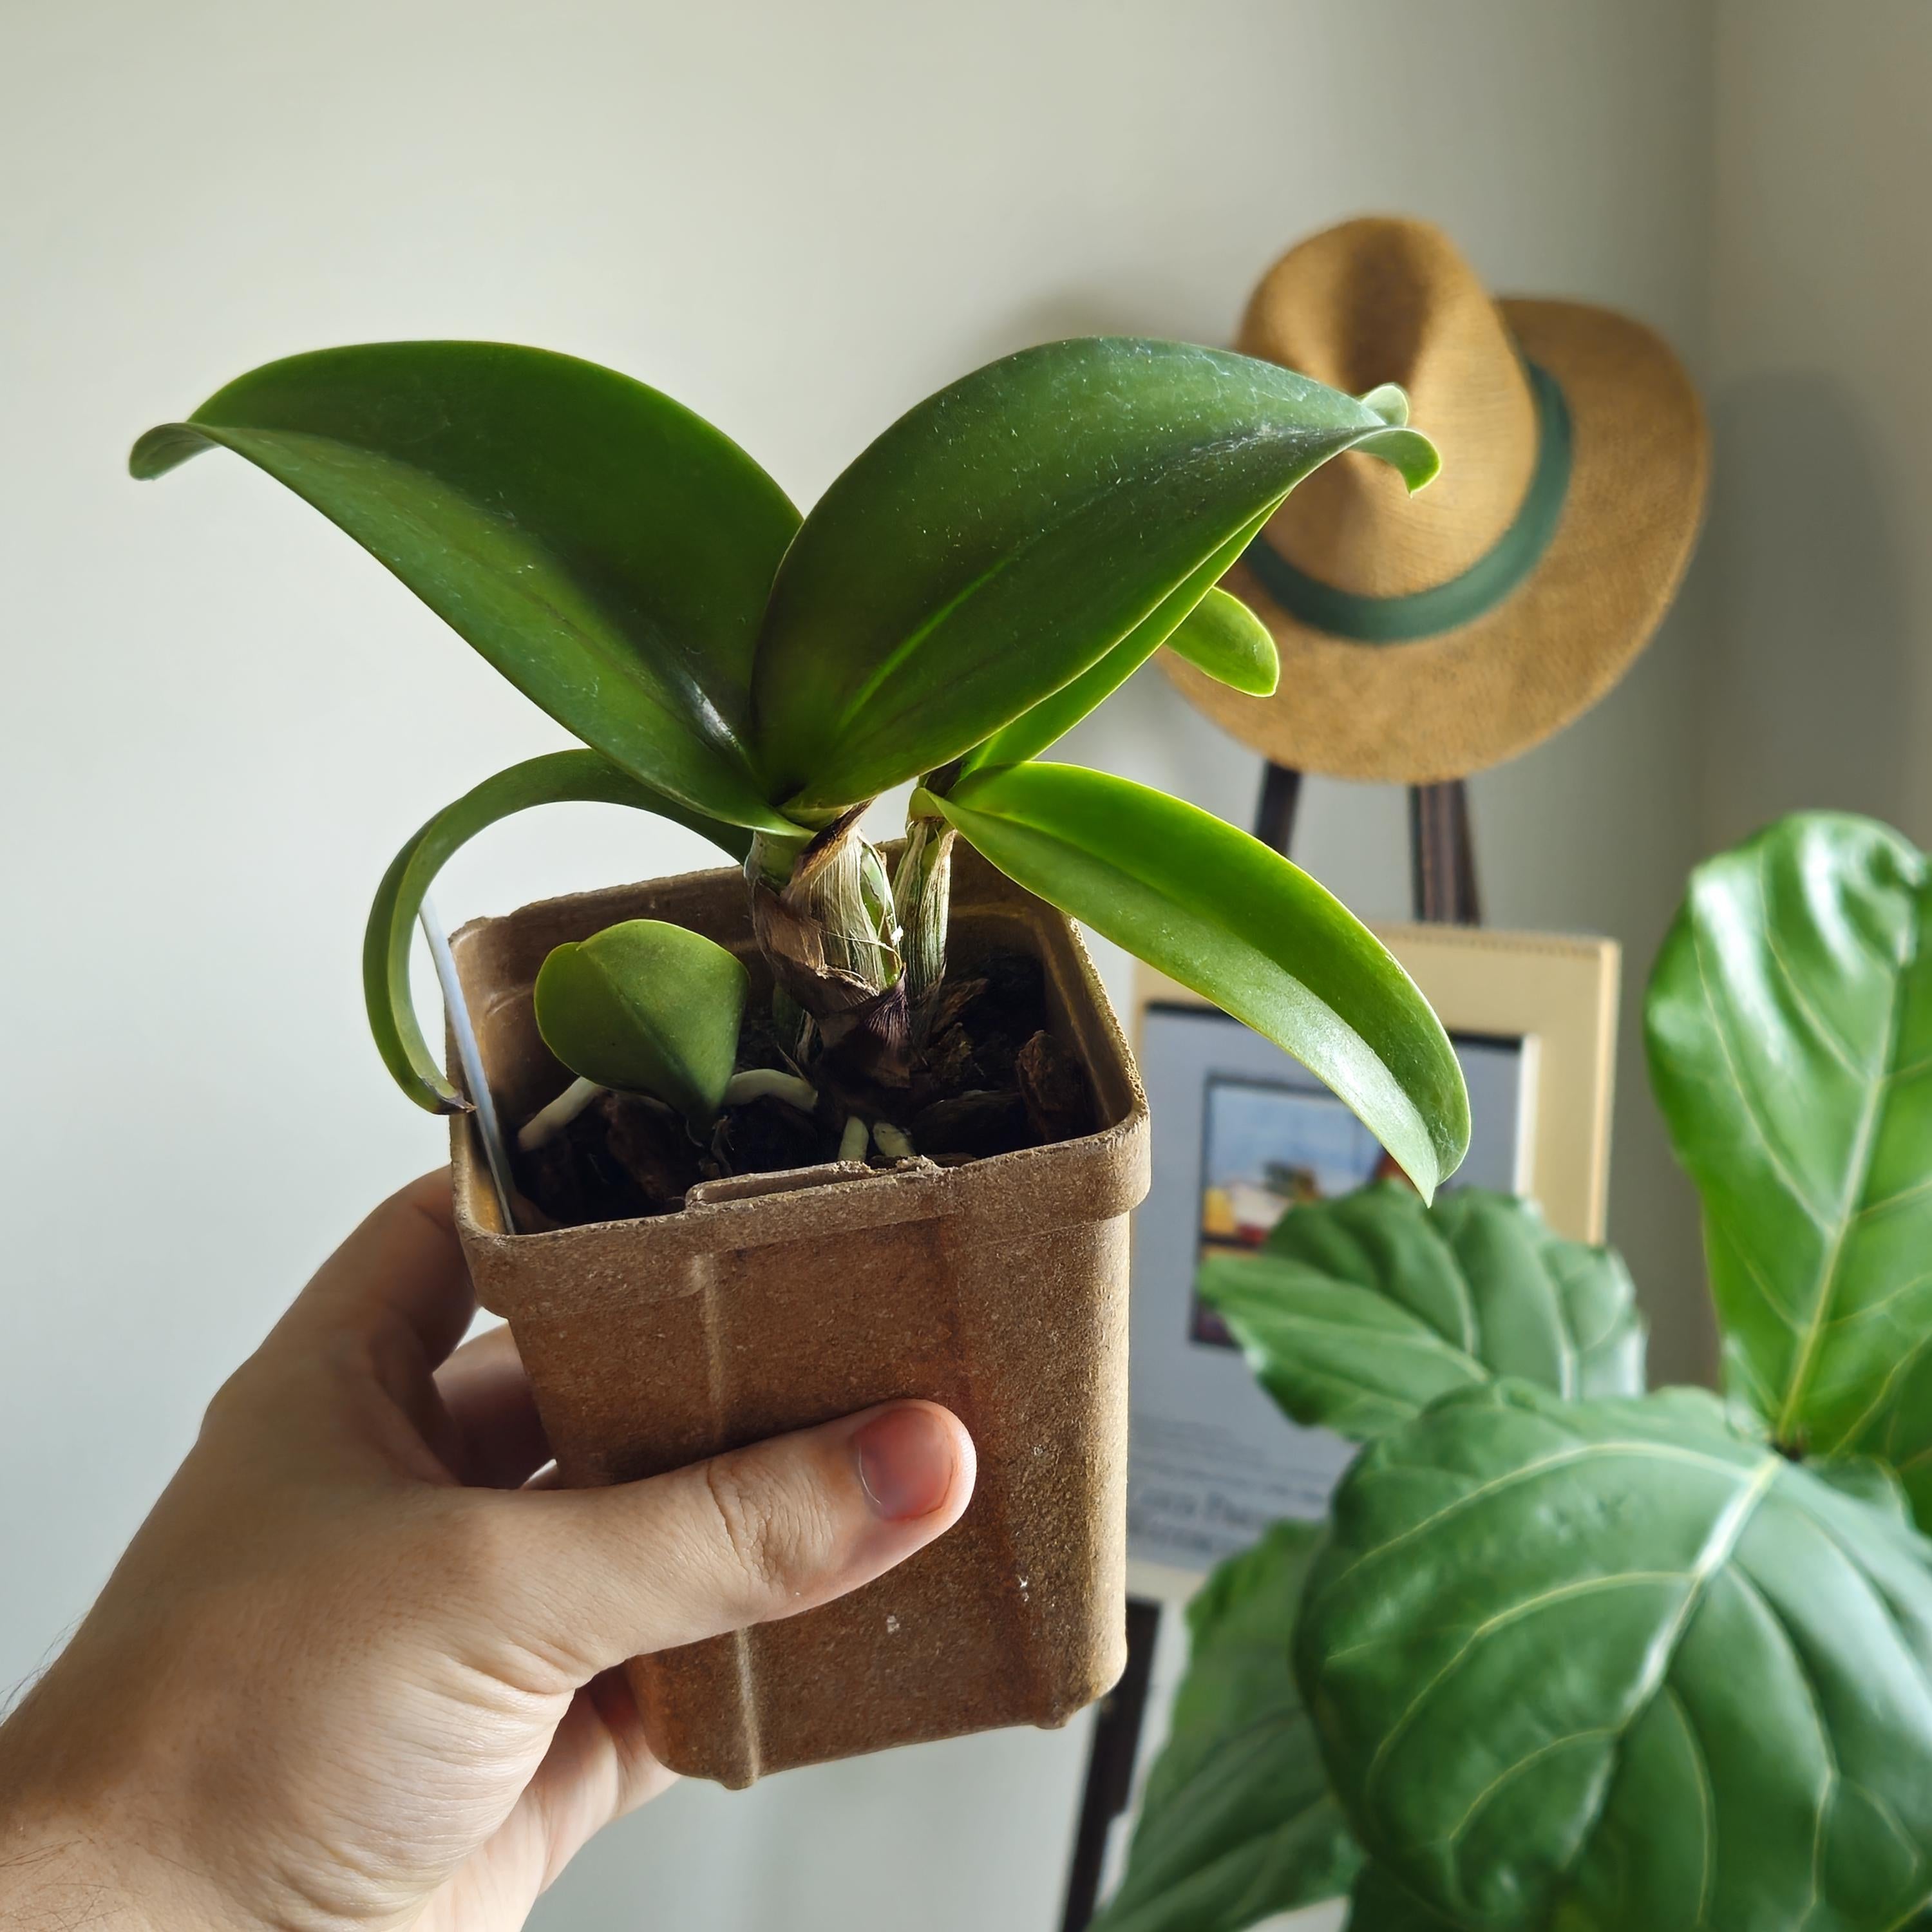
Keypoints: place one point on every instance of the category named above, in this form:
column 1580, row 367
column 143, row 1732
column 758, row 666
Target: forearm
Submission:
column 72, row 1859
column 56, row 1877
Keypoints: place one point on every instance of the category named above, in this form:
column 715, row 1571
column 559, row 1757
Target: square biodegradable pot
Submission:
column 771, row 1302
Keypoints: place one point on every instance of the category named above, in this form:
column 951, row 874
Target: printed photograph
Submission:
column 1268, row 1147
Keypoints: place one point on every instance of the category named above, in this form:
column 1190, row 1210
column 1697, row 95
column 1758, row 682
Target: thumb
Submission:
column 758, row 1533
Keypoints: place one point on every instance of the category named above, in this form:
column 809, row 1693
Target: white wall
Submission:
column 219, row 720
column 1820, row 679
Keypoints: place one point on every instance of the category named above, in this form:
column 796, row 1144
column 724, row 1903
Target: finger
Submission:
column 499, row 1435
column 598, row 1767
column 402, row 1269
column 761, row 1533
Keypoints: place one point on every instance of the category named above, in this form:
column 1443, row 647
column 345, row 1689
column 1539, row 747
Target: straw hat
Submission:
column 1423, row 638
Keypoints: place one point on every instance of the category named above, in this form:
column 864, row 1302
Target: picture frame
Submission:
column 1242, row 1134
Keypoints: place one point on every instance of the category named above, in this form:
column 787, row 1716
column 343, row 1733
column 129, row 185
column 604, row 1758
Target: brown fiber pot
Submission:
column 774, row 1301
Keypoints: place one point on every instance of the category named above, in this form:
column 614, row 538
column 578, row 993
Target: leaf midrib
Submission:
column 1719, row 1550
column 1852, row 1201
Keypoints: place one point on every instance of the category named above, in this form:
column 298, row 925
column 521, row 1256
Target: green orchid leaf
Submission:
column 1006, row 534
column 1789, row 1025
column 1389, row 400
column 1237, row 1822
column 1223, row 637
column 558, row 778
column 1360, row 1311
column 1224, row 915
column 1046, row 722
column 1613, row 1664
column 646, row 1008
column 606, row 551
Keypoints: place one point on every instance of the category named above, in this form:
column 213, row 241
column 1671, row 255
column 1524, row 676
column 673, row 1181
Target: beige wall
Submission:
column 219, row 721
column 1818, row 687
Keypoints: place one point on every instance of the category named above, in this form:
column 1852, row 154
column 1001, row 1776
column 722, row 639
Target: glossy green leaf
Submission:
column 646, row 1008
column 1006, row 534
column 1379, row 1904
column 560, row 778
column 1789, row 1026
column 1237, row 1822
column 1224, row 915
column 1359, row 1312
column 1223, row 637
column 1613, row 1666
column 606, row 551
column 1045, row 723
column 1872, row 1482
column 1389, row 400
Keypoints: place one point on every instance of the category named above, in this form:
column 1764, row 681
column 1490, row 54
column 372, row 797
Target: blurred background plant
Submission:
column 1564, row 1653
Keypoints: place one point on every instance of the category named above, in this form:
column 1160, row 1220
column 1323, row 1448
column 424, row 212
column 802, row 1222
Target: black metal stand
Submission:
column 1110, row 1763
column 1442, row 855
column 1442, row 879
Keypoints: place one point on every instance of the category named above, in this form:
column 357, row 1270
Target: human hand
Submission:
column 353, row 1673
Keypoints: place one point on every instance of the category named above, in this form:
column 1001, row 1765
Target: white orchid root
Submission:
column 766, row 1083
column 547, row 1122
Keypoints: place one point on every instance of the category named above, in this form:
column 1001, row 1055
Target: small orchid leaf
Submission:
column 559, row 778
column 1359, row 1312
column 1390, row 402
column 1224, row 915
column 1223, row 637
column 606, row 551
column 1006, row 534
column 1052, row 718
column 646, row 1008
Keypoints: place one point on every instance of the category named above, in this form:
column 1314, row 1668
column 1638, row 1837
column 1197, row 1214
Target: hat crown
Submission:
column 1382, row 300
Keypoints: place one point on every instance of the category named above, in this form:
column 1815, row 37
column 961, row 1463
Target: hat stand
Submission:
column 1442, row 886
column 1441, row 857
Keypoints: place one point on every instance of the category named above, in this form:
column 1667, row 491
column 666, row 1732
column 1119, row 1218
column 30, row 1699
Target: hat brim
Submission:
column 1445, row 706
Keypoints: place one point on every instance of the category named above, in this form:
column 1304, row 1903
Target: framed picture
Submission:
column 1243, row 1135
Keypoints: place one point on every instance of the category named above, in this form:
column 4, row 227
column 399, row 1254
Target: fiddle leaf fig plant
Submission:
column 1790, row 1027
column 1581, row 1659
column 1617, row 1664
column 1357, row 1313
column 1238, row 1822
column 993, row 566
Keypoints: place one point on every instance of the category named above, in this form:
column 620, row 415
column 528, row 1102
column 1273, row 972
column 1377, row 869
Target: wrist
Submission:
column 55, row 1876
column 72, row 1858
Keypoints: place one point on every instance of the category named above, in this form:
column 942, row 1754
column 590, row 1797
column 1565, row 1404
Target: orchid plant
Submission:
column 983, row 575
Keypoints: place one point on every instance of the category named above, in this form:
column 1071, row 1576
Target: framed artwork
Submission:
column 1243, row 1135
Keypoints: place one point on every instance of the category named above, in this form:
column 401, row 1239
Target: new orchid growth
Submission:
column 992, row 568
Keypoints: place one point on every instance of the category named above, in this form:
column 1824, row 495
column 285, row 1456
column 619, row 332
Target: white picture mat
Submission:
column 1212, row 1461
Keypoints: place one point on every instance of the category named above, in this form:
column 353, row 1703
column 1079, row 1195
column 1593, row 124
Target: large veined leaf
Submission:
column 559, row 777
column 1379, row 1904
column 1223, row 914
column 646, row 1007
column 1359, row 1312
column 1007, row 533
column 1789, row 1026
column 1612, row 1666
column 606, row 551
column 1237, row 1822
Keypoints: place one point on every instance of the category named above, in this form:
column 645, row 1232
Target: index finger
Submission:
column 402, row 1264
